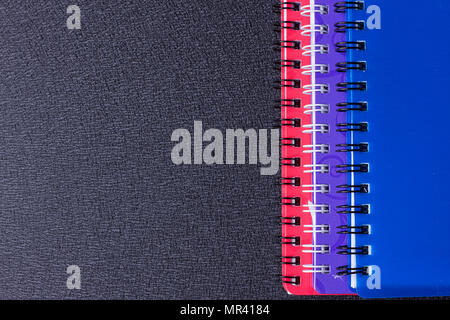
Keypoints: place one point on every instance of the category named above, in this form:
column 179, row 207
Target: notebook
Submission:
column 92, row 206
column 139, row 158
column 311, row 170
column 385, row 91
column 408, row 153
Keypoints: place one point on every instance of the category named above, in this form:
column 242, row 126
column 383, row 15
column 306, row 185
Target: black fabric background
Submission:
column 85, row 168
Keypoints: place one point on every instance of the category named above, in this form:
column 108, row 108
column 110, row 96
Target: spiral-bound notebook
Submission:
column 366, row 200
column 114, row 183
column 93, row 100
column 312, row 171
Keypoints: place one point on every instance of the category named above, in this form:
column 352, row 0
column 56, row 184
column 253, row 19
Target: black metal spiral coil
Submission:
column 351, row 106
column 294, row 280
column 292, row 260
column 293, row 25
column 343, row 6
column 295, row 45
column 345, row 66
column 291, row 201
column 353, row 230
column 291, row 142
column 355, row 147
column 282, row 64
column 294, row 6
column 289, row 83
column 294, row 64
column 346, row 127
column 292, row 241
column 359, row 188
column 357, row 66
column 291, row 122
column 344, row 46
column 346, row 271
column 347, row 168
column 291, row 221
column 347, row 250
column 294, row 182
column 291, row 162
column 347, row 209
column 288, row 103
column 351, row 86
column 343, row 26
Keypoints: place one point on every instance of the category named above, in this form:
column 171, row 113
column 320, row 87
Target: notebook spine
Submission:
column 297, row 148
column 317, row 128
column 353, row 188
column 291, row 240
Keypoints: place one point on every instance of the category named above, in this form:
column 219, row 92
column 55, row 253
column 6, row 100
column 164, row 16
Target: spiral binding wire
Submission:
column 307, row 50
column 344, row 46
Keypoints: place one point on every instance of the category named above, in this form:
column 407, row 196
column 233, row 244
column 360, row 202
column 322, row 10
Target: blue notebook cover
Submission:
column 408, row 95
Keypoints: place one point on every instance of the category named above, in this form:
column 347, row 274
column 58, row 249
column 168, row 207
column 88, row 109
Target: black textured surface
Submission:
column 85, row 168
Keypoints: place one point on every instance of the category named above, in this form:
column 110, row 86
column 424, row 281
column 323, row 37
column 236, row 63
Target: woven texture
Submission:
column 85, row 169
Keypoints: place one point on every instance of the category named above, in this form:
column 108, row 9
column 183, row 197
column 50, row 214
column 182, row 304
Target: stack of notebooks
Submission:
column 365, row 148
column 139, row 159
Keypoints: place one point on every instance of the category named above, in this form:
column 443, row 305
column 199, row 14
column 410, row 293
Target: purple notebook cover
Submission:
column 331, row 283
